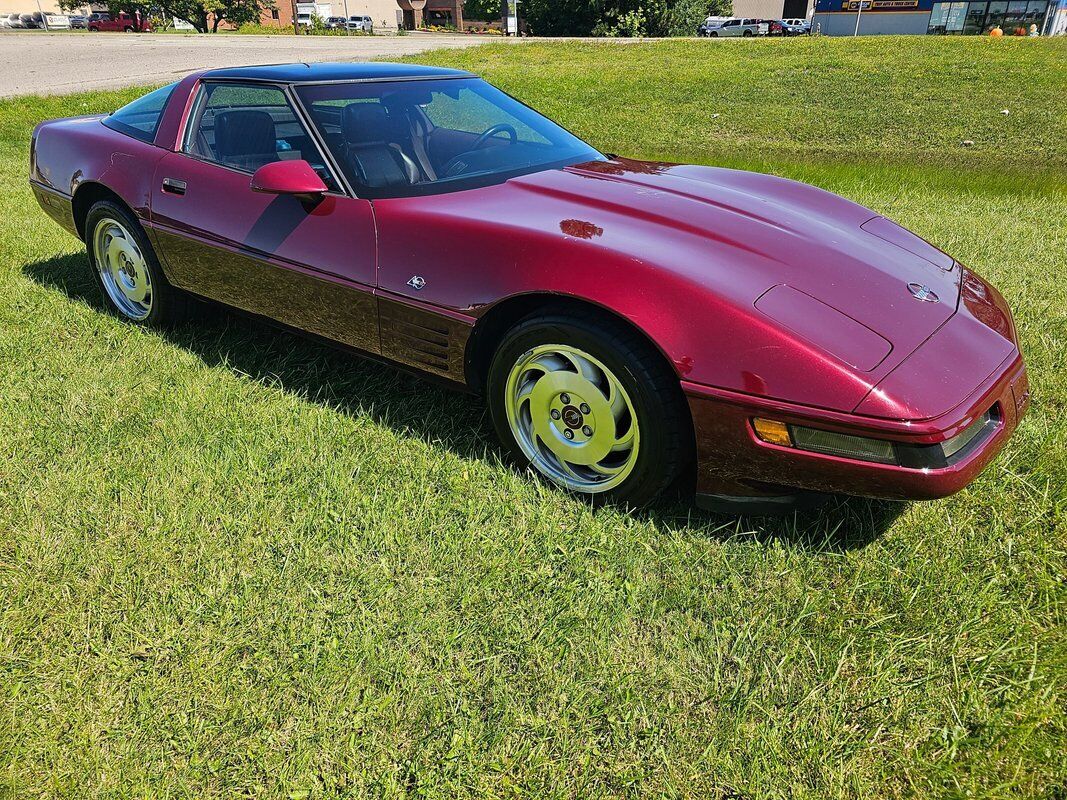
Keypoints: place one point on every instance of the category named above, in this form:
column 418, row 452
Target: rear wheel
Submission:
column 590, row 406
column 747, row 33
column 127, row 270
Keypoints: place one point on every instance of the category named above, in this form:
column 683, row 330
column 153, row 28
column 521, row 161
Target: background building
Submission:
column 839, row 17
column 773, row 9
column 386, row 14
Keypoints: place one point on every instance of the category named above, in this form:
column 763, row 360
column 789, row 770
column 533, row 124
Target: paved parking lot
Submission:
column 52, row 63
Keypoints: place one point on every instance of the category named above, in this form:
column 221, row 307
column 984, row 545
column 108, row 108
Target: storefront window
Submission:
column 977, row 16
column 956, row 14
column 947, row 18
column 1015, row 20
column 975, row 22
column 995, row 17
column 937, row 18
column 1035, row 12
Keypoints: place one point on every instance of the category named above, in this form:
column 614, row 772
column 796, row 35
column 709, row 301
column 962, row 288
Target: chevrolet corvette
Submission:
column 634, row 326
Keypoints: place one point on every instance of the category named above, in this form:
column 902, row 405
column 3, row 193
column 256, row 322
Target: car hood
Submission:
column 836, row 274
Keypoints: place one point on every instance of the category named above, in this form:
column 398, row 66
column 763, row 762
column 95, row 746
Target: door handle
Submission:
column 174, row 186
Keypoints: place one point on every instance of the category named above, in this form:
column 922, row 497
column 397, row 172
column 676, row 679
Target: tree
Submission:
column 204, row 15
column 686, row 15
column 619, row 17
column 484, row 10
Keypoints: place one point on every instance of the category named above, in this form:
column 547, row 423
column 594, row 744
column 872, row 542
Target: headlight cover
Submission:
column 880, row 451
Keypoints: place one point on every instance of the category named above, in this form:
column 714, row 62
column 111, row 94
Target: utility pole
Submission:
column 859, row 12
column 296, row 22
column 44, row 19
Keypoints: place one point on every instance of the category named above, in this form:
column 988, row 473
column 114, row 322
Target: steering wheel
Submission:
column 489, row 133
column 485, row 136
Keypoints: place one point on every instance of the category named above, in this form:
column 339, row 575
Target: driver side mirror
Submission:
column 295, row 178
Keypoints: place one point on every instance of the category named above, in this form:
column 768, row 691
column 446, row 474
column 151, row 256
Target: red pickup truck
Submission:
column 129, row 23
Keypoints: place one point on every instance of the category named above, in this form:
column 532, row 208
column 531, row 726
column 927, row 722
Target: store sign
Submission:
column 57, row 20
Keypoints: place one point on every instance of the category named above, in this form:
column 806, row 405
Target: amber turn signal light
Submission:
column 772, row 431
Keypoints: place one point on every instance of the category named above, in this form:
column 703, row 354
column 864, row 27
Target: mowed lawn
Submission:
column 237, row 564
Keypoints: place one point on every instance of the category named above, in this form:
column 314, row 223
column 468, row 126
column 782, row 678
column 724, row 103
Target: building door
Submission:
column 795, row 9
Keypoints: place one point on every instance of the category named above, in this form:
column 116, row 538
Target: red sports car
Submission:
column 633, row 325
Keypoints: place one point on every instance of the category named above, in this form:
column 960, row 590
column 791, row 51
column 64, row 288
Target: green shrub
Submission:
column 631, row 24
column 257, row 29
column 685, row 16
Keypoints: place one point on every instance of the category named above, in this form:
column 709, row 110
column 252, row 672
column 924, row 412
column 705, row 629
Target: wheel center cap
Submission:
column 572, row 417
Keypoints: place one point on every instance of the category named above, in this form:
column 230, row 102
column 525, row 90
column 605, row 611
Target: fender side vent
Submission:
column 423, row 339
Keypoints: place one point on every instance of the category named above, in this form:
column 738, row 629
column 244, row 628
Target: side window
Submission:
column 245, row 126
column 140, row 118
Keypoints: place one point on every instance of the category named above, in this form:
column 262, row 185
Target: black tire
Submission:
column 666, row 445
column 713, row 35
column 168, row 304
column 747, row 33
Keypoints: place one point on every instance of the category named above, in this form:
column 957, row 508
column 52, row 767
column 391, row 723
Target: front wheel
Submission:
column 591, row 406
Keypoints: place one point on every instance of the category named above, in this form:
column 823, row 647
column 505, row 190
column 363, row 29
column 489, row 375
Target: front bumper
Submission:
column 733, row 463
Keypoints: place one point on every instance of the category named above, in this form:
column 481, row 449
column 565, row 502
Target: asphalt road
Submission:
column 58, row 63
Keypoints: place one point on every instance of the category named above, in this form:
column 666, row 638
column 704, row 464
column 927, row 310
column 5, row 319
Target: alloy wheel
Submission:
column 572, row 418
column 123, row 269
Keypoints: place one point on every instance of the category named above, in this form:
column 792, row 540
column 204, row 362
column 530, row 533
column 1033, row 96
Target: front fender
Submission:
column 478, row 249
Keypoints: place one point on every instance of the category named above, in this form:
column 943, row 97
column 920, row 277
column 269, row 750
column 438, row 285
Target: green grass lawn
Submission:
column 234, row 563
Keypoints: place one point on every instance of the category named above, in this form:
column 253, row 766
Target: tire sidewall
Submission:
column 647, row 478
column 105, row 209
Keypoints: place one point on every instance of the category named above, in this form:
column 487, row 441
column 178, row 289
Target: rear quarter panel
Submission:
column 71, row 153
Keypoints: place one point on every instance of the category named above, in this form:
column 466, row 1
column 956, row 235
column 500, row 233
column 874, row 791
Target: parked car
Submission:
column 32, row 20
column 709, row 23
column 738, row 27
column 334, row 23
column 633, row 325
column 79, row 21
column 795, row 22
column 128, row 23
column 781, row 27
column 357, row 23
column 14, row 21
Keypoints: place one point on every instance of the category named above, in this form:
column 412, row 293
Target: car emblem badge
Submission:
column 921, row 291
column 417, row 282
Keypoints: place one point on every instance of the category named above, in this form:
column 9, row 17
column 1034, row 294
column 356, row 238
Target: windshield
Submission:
column 423, row 137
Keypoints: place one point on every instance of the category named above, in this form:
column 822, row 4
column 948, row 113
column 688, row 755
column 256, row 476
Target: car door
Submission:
column 306, row 263
column 731, row 27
